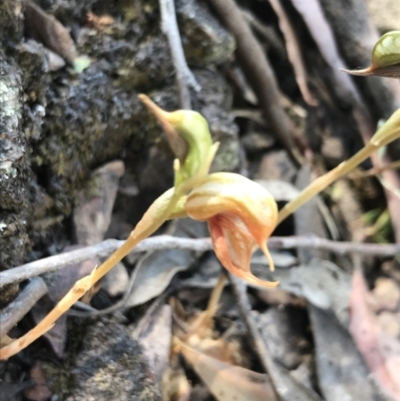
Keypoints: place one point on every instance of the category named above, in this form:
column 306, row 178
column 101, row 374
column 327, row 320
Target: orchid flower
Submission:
column 241, row 214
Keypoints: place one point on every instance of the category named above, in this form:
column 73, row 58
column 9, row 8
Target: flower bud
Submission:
column 190, row 140
column 385, row 57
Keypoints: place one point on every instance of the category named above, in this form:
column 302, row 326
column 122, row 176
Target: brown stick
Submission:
column 258, row 72
column 294, row 52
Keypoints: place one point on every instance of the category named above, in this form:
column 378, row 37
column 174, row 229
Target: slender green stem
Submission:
column 325, row 180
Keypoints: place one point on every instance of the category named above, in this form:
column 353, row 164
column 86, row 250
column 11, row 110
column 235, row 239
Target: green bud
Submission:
column 190, row 140
column 385, row 57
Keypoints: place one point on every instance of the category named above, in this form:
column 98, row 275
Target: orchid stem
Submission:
column 151, row 221
column 325, row 180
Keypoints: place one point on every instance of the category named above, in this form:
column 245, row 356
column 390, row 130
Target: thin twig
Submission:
column 160, row 242
column 277, row 373
column 258, row 72
column 24, row 302
column 184, row 76
column 102, row 249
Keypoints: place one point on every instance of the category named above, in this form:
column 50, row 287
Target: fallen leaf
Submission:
column 321, row 282
column 287, row 387
column 48, row 30
column 155, row 272
column 228, row 382
column 282, row 332
column 115, row 282
column 94, row 203
column 156, row 341
column 282, row 351
column 380, row 351
column 342, row 373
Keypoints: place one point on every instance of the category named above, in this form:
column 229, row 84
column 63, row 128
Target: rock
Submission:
column 205, row 40
column 214, row 102
column 15, row 171
column 109, row 366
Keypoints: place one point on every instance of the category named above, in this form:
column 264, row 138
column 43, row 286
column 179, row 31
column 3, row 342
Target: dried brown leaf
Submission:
column 229, row 382
column 94, row 203
column 48, row 30
column 342, row 373
column 380, row 351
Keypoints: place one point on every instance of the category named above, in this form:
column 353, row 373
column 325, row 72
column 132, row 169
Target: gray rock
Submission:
column 111, row 366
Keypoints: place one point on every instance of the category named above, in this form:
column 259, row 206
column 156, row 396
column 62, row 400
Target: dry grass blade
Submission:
column 380, row 351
